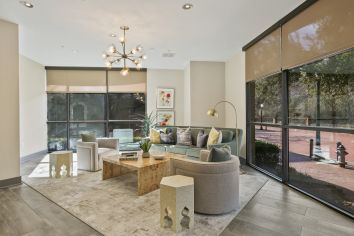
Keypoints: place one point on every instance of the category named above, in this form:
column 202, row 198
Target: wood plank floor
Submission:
column 24, row 211
column 279, row 210
column 275, row 210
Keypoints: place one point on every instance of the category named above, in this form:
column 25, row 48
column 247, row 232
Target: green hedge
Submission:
column 266, row 153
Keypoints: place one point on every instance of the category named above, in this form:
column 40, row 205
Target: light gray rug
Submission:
column 112, row 206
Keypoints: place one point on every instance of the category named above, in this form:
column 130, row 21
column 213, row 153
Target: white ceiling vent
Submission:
column 168, row 54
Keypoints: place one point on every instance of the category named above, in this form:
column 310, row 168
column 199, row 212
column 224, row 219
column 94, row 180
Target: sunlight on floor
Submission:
column 42, row 169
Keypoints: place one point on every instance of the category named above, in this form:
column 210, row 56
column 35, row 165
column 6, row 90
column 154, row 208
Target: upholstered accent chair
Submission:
column 89, row 154
column 216, row 184
column 126, row 140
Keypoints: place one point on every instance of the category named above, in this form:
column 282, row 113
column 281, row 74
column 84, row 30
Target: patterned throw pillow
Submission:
column 202, row 139
column 167, row 138
column 215, row 137
column 220, row 154
column 184, row 137
column 155, row 136
column 88, row 137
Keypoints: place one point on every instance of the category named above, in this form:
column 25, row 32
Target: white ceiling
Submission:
column 76, row 32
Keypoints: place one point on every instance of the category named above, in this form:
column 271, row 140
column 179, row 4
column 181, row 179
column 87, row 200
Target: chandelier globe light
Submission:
column 113, row 56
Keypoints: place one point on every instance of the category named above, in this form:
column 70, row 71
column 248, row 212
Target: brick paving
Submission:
column 299, row 148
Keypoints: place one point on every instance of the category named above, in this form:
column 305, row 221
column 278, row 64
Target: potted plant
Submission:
column 145, row 145
column 148, row 122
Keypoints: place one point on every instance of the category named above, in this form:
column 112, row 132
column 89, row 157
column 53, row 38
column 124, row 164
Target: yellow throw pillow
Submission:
column 155, row 136
column 214, row 137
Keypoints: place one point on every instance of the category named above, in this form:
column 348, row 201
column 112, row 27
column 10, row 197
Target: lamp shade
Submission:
column 212, row 112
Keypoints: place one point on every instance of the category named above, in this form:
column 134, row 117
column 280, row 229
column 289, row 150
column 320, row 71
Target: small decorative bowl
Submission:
column 159, row 157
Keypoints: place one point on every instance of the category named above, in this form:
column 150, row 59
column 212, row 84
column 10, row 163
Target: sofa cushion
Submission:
column 202, row 139
column 102, row 151
column 215, row 137
column 227, row 136
column 158, row 147
column 178, row 149
column 167, row 138
column 220, row 154
column 204, row 155
column 194, row 152
column 88, row 137
column 184, row 136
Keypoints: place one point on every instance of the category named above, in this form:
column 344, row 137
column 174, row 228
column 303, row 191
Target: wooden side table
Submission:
column 59, row 163
column 177, row 202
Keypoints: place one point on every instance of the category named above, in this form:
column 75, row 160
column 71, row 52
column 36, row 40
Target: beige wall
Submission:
column 33, row 107
column 207, row 87
column 9, row 101
column 187, row 95
column 235, row 92
column 166, row 79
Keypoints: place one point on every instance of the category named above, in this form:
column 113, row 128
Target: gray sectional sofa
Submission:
column 193, row 152
column 216, row 184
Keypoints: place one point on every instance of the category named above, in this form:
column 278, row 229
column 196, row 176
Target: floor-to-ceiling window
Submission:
column 126, row 111
column 318, row 102
column 57, row 116
column 321, row 109
column 83, row 101
column 300, row 101
column 266, row 124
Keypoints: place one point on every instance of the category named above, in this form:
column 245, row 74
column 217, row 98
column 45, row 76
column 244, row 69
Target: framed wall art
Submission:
column 165, row 118
column 165, row 98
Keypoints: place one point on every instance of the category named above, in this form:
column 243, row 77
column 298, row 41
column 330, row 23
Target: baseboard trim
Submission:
column 10, row 182
column 33, row 155
column 242, row 160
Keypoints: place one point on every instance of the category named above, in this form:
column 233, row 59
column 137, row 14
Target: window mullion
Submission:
column 285, row 131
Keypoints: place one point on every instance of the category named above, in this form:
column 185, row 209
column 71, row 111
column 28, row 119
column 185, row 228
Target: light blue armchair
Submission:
column 126, row 140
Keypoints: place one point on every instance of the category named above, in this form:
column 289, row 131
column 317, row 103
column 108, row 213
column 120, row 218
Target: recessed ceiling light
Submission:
column 27, row 4
column 113, row 35
column 187, row 6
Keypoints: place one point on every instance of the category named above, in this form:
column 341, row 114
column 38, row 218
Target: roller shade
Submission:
column 264, row 57
column 134, row 82
column 76, row 81
column 322, row 29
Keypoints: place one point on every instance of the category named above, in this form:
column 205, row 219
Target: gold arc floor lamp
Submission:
column 213, row 112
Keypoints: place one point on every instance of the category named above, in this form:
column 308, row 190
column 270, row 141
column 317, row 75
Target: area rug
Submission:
column 112, row 206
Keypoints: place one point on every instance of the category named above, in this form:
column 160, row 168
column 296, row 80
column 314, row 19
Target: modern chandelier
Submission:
column 113, row 56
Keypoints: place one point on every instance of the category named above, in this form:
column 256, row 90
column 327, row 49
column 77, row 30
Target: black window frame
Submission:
column 284, row 125
column 106, row 121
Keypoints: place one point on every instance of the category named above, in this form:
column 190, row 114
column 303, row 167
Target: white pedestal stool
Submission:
column 177, row 202
column 58, row 160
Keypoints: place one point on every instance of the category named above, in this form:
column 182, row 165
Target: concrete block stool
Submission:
column 61, row 164
column 177, row 202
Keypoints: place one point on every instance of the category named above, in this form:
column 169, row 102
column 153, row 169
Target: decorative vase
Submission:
column 146, row 154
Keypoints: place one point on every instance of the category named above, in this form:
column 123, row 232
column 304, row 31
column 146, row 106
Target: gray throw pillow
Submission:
column 184, row 137
column 220, row 154
column 167, row 138
column 202, row 139
column 88, row 137
column 227, row 136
